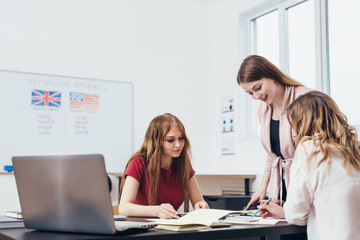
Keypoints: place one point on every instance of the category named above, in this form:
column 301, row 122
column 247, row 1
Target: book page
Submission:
column 249, row 220
column 205, row 216
column 182, row 228
column 208, row 217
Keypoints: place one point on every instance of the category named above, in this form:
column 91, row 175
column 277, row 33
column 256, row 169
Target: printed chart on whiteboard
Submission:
column 51, row 115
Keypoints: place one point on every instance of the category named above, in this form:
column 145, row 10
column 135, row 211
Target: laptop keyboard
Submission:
column 123, row 225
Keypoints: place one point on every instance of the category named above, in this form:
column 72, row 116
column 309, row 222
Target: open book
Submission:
column 205, row 218
column 181, row 228
column 247, row 220
column 195, row 220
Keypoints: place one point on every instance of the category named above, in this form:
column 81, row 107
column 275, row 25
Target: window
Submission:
column 344, row 39
column 265, row 42
column 265, row 36
column 285, row 35
column 317, row 44
column 301, row 43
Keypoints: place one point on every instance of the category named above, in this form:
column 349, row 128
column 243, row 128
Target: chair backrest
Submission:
column 114, row 191
column 115, row 209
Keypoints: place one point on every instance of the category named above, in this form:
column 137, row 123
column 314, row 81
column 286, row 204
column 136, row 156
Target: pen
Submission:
column 181, row 214
column 257, row 211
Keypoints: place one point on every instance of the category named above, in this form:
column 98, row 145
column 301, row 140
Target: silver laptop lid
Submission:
column 64, row 193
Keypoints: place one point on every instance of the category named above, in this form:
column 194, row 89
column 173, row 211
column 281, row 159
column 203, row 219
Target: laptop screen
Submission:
column 64, row 193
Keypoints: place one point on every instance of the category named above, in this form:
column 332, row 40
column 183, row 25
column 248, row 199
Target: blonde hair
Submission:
column 151, row 151
column 255, row 67
column 315, row 116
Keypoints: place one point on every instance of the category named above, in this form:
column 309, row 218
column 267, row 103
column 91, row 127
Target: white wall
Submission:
column 228, row 51
column 182, row 56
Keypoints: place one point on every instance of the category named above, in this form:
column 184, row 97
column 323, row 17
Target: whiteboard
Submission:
column 59, row 115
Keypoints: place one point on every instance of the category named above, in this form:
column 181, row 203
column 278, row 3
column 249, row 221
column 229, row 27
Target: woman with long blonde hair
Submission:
column 159, row 177
column 324, row 191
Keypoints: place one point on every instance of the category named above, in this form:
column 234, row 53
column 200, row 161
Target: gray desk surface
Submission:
column 16, row 230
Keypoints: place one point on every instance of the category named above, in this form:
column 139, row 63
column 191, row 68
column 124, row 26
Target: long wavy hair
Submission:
column 151, row 151
column 315, row 116
column 255, row 67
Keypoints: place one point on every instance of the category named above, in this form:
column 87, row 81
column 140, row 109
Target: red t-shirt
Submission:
column 170, row 187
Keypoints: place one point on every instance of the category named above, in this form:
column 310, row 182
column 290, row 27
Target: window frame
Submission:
column 321, row 45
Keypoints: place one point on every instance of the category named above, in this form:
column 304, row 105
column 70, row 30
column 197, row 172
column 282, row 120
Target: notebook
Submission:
column 67, row 193
column 210, row 218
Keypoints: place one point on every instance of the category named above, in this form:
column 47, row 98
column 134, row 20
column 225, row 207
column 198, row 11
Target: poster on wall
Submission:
column 227, row 125
column 59, row 115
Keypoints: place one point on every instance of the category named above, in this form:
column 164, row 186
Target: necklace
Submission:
column 276, row 107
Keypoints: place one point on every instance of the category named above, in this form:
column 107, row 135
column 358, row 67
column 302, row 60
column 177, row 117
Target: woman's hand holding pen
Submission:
column 166, row 210
column 201, row 205
column 271, row 210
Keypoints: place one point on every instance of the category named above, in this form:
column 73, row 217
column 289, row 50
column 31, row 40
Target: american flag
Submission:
column 84, row 100
column 45, row 98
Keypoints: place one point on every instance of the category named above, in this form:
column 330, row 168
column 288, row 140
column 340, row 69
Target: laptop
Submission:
column 67, row 193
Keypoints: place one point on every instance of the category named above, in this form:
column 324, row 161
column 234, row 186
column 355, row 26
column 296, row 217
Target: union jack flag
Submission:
column 45, row 98
column 84, row 100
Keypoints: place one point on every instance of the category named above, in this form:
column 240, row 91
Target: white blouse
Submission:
column 325, row 199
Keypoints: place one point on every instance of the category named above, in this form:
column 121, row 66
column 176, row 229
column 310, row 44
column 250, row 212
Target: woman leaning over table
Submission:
column 324, row 191
column 159, row 177
column 275, row 90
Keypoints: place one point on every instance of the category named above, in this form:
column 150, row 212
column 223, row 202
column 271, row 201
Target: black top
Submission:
column 275, row 147
column 275, row 138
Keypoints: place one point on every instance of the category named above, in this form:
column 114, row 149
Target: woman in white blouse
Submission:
column 324, row 191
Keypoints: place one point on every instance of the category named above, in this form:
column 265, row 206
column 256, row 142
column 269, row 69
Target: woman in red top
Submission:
column 159, row 177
